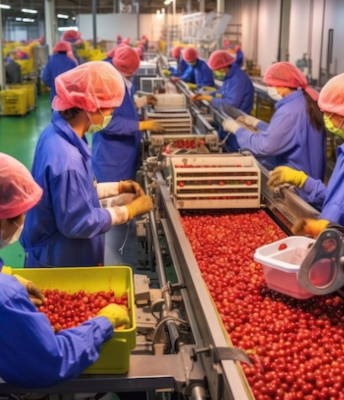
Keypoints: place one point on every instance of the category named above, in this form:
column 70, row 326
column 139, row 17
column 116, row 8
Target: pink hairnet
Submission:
column 126, row 40
column 220, row 59
column 71, row 35
column 126, row 60
column 19, row 191
column 237, row 48
column 62, row 46
column 119, row 36
column 331, row 98
column 111, row 53
column 190, row 54
column 176, row 52
column 285, row 74
column 89, row 86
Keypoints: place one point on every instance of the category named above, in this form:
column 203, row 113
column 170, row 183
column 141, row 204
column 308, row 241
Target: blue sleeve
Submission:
column 234, row 93
column 46, row 75
column 205, row 76
column 262, row 126
column 188, row 75
column 315, row 191
column 173, row 71
column 122, row 126
column 76, row 215
column 31, row 354
column 278, row 138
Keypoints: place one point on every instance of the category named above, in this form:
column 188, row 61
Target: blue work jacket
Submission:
column 182, row 66
column 56, row 65
column 290, row 137
column 239, row 61
column 32, row 355
column 200, row 74
column 116, row 149
column 66, row 228
column 237, row 90
column 108, row 59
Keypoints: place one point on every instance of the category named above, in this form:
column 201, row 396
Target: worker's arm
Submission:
column 188, row 75
column 122, row 126
column 46, row 75
column 31, row 354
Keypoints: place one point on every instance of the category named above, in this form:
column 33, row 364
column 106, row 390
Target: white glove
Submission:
column 119, row 215
column 141, row 102
column 230, row 125
column 107, row 189
column 249, row 120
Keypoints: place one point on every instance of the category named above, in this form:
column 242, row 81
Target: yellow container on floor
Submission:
column 14, row 102
column 115, row 353
column 30, row 93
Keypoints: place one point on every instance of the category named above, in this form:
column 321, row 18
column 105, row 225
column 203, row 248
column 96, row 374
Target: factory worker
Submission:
column 331, row 102
column 119, row 39
column 140, row 52
column 72, row 37
column 144, row 41
column 237, row 89
column 296, row 135
column 198, row 74
column 182, row 65
column 57, row 64
column 66, row 228
column 31, row 354
column 111, row 53
column 116, row 154
column 239, row 61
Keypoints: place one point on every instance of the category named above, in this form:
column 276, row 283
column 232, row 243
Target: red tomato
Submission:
column 282, row 246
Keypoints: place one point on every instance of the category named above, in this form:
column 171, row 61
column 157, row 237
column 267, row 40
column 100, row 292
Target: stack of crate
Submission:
column 29, row 88
column 14, row 102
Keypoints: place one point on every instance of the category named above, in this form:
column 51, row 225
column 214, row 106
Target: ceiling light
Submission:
column 73, row 18
column 29, row 11
column 66, row 28
column 62, row 16
column 28, row 20
column 167, row 2
column 18, row 19
column 5, row 6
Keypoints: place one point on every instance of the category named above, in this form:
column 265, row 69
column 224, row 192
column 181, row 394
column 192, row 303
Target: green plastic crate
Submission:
column 115, row 353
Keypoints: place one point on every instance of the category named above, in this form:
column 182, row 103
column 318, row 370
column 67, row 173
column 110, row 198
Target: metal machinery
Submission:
column 182, row 348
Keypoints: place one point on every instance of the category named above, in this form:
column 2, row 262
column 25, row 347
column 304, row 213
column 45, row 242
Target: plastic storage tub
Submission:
column 281, row 261
column 115, row 353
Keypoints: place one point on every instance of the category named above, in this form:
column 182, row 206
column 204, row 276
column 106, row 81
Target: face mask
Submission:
column 272, row 92
column 331, row 128
column 193, row 63
column 97, row 128
column 5, row 242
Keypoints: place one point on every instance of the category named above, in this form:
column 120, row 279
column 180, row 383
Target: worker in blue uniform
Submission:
column 331, row 102
column 116, row 155
column 239, row 60
column 57, row 64
column 198, row 74
column 182, row 65
column 31, row 354
column 296, row 135
column 236, row 90
column 66, row 228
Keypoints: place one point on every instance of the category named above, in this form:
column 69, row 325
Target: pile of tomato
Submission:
column 67, row 310
column 296, row 346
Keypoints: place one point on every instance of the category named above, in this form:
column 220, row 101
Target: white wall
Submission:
column 298, row 32
column 249, row 39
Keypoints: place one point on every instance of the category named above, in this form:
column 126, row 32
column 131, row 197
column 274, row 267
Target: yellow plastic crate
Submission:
column 115, row 353
column 14, row 102
column 30, row 93
column 26, row 66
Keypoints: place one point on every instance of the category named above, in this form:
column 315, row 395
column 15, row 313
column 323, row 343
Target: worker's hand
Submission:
column 175, row 79
column 309, row 226
column 192, row 86
column 200, row 97
column 116, row 314
column 166, row 72
column 151, row 100
column 208, row 89
column 230, row 125
column 130, row 187
column 139, row 206
column 34, row 293
column 150, row 125
column 249, row 120
column 285, row 174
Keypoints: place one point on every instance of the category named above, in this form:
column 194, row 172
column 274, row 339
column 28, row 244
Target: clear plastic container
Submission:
column 281, row 261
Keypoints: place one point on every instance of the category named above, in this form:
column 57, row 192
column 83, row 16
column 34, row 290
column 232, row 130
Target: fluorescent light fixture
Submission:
column 29, row 11
column 18, row 19
column 67, row 28
column 73, row 18
column 167, row 2
column 64, row 16
column 5, row 6
column 28, row 20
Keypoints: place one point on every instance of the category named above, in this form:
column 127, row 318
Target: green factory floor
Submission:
column 18, row 138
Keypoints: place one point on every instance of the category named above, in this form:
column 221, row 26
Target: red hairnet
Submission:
column 111, row 53
column 190, row 54
column 89, row 86
column 237, row 48
column 71, row 35
column 176, row 52
column 126, row 60
column 119, row 36
column 220, row 59
column 285, row 74
column 62, row 46
column 126, row 40
column 331, row 98
column 19, row 191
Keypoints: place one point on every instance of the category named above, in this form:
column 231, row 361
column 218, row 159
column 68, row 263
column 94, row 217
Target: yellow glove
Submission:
column 139, row 206
column 150, row 125
column 208, row 89
column 130, row 187
column 309, row 226
column 151, row 100
column 116, row 314
column 166, row 72
column 192, row 86
column 34, row 293
column 199, row 97
column 283, row 174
